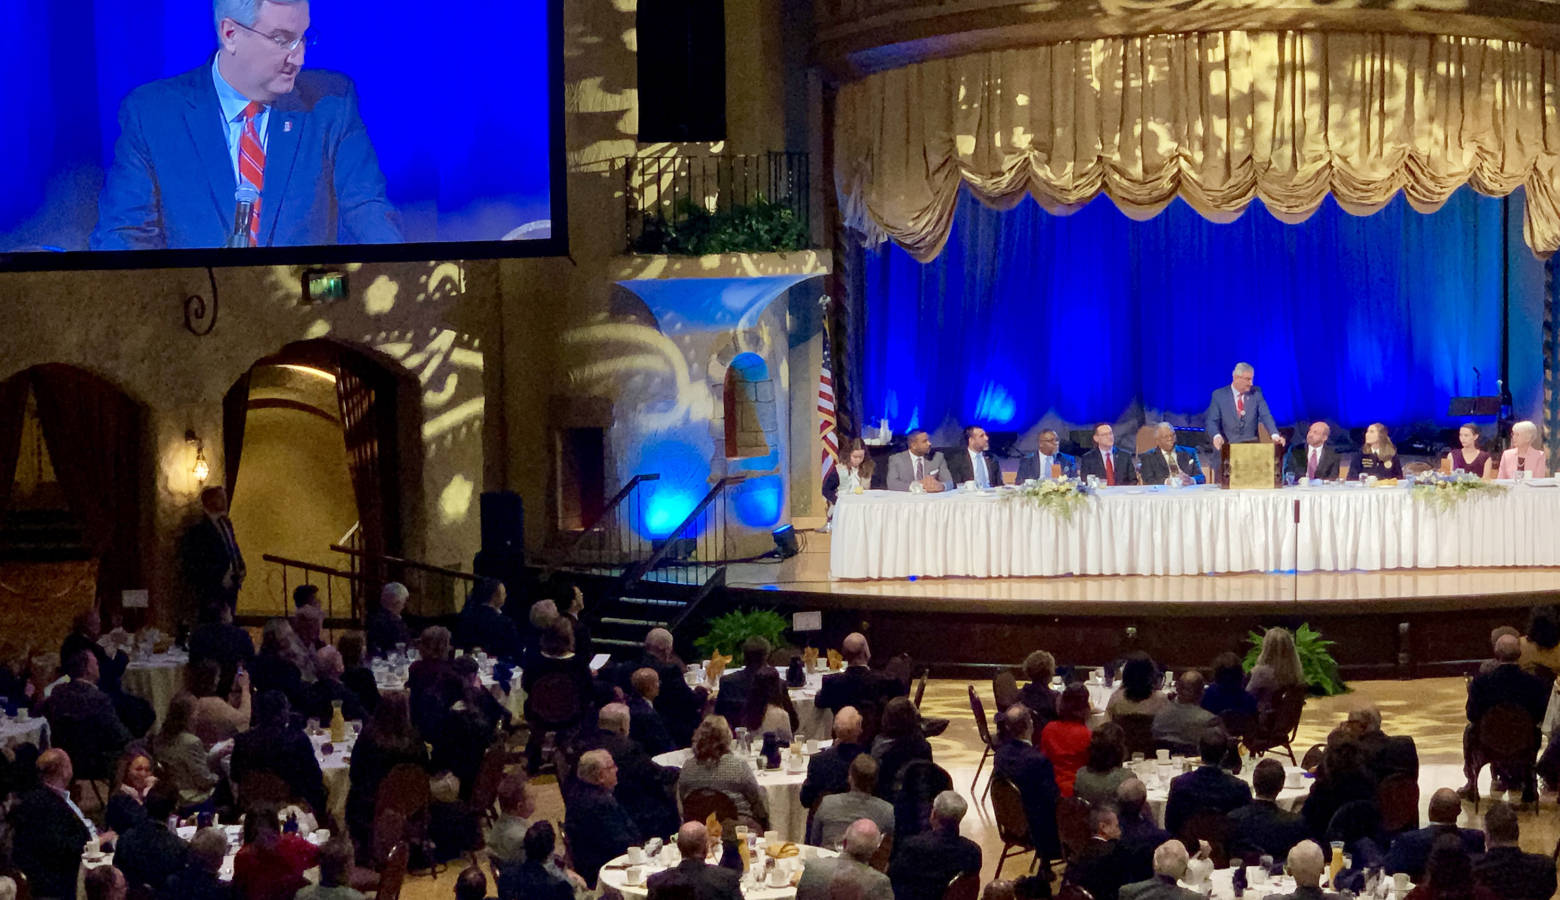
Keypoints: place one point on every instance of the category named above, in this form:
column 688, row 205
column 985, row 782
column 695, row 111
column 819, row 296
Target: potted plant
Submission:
column 729, row 630
column 1316, row 663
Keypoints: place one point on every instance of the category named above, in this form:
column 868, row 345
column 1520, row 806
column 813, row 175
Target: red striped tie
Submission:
column 251, row 163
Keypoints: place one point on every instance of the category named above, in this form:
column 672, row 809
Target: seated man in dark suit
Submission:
column 200, row 879
column 1019, row 761
column 328, row 689
column 681, row 706
column 85, row 631
column 1140, row 835
column 83, row 720
column 149, row 853
column 272, row 744
column 858, row 686
column 828, row 771
column 1305, row 864
column 534, row 879
column 1206, row 788
column 1099, row 867
column 1313, row 459
column 1411, row 849
column 1506, row 684
column 1110, row 465
column 974, row 462
column 1504, row 868
column 645, row 724
column 598, row 827
column 1385, row 755
column 1260, row 826
column 482, row 622
column 1170, row 862
column 644, row 789
column 693, row 877
column 49, row 830
column 1037, row 466
column 924, row 864
column 734, row 687
column 1167, row 457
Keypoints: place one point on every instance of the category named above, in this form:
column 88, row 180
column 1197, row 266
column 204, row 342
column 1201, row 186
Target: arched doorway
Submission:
column 320, row 445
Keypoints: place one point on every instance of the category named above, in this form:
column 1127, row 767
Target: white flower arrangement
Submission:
column 1062, row 497
column 1446, row 491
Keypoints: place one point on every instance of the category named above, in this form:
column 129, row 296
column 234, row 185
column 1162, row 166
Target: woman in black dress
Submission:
column 1468, row 457
column 1379, row 455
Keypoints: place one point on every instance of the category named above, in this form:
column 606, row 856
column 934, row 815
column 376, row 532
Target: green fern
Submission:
column 1316, row 662
column 729, row 630
column 761, row 226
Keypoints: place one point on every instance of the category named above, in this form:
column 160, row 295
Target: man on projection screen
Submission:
column 249, row 126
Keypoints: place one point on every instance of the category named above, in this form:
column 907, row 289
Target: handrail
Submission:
column 309, row 567
column 612, row 505
column 639, row 569
column 353, row 580
column 717, row 579
column 406, row 563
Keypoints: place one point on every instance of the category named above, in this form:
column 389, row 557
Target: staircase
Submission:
column 624, row 621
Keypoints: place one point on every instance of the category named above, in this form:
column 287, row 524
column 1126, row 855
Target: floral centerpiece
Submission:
column 1062, row 497
column 1446, row 491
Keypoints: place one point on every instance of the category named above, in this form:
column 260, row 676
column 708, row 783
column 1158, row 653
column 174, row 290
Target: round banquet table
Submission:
column 782, row 788
column 156, row 678
column 810, row 720
column 235, row 838
column 389, row 676
column 334, row 769
column 15, row 732
column 615, row 874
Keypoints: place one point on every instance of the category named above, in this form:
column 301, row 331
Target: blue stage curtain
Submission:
column 1028, row 316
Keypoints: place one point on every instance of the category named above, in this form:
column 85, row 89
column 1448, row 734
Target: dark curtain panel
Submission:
column 95, row 437
column 368, row 423
column 235, row 412
column 13, row 403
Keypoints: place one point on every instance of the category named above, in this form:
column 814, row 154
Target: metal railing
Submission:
column 335, row 584
column 432, row 587
column 612, row 540
column 691, row 551
column 661, row 190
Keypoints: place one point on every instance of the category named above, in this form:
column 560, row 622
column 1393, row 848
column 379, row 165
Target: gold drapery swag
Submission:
column 1219, row 119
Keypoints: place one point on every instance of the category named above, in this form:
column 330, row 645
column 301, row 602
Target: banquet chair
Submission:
column 979, row 712
column 1072, row 825
column 885, row 850
column 404, row 793
column 263, row 786
column 920, row 686
column 1212, row 826
column 1312, row 759
column 967, row 887
column 1139, row 729
column 393, row 875
column 23, row 890
column 1277, row 727
column 1073, row 892
column 1398, row 798
column 1004, row 689
column 1506, row 736
column 1012, row 822
column 484, row 792
column 699, row 804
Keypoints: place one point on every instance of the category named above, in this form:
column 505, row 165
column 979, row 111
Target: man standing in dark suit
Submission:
column 1504, row 868
column 734, row 687
column 212, row 559
column 925, row 864
column 1411, row 849
column 1260, row 826
column 1037, row 466
column 1019, row 761
column 693, row 877
column 1506, row 684
column 828, row 771
column 1313, row 459
column 598, row 827
column 1234, row 412
column 1110, row 465
column 1168, row 457
column 1100, row 867
column 83, row 719
column 49, row 829
column 975, row 463
column 858, row 686
column 1207, row 787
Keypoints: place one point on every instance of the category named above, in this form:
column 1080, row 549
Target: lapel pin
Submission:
column 287, row 126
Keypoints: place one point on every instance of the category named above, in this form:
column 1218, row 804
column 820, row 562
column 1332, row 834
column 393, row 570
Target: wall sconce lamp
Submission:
column 201, row 469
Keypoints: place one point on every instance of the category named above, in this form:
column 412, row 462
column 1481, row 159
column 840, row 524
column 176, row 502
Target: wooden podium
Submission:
column 1252, row 466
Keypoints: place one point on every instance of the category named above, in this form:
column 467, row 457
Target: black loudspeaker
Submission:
column 503, row 524
column 682, row 70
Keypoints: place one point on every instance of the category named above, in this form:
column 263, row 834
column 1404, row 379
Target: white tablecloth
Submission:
column 615, row 874
column 782, row 789
column 156, row 679
column 334, row 767
column 1189, row 531
column 15, row 732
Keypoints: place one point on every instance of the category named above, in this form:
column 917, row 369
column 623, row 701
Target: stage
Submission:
column 1396, row 623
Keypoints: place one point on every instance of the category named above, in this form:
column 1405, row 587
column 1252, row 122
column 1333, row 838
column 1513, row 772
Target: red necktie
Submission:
column 1240, row 404
column 251, row 163
column 1110, row 470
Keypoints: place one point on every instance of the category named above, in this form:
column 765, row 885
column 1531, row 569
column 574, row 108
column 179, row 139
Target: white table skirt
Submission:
column 1189, row 531
column 156, row 679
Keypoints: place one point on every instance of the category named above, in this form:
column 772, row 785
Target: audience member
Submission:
column 1138, row 694
column 388, row 740
column 1261, row 827
column 1206, row 788
column 218, row 640
column 1341, row 779
column 270, row 864
column 681, row 706
column 1305, row 864
column 924, row 864
column 828, row 769
column 1140, row 834
column 566, row 680
column 201, row 879
column 82, row 719
column 467, row 729
column 1385, row 755
column 644, row 789
column 1170, row 862
column 1180, row 724
column 597, row 826
column 768, row 709
column 1020, row 762
column 731, row 699
column 533, row 879
column 133, row 780
column 104, row 883
column 646, row 726
column 356, row 674
column 857, row 686
column 336, row 858
column 1065, row 741
column 150, row 853
column 693, row 878
column 899, row 741
column 216, row 716
column 1097, row 781
column 1411, row 850
column 328, row 690
column 483, row 623
column 836, row 812
column 1099, row 866
column 308, row 623
column 1039, row 668
column 1227, row 693
column 1508, row 872
column 715, row 767
column 277, row 666
column 1449, row 875
column 186, row 762
column 1496, row 634
column 278, row 746
column 505, row 838
column 849, row 875
column 1277, row 668
column 86, row 632
column 1505, row 685
column 385, row 631
column 571, row 605
column 305, row 595
column 471, row 884
column 49, row 829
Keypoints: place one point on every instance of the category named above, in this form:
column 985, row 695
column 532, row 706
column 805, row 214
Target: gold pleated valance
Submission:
column 1219, row 119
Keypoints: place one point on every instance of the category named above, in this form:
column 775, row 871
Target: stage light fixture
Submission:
column 785, row 541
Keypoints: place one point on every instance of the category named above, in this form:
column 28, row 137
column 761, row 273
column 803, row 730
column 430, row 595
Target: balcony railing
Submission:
column 721, row 203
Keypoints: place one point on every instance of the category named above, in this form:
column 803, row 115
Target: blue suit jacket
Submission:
column 1237, row 429
column 171, row 184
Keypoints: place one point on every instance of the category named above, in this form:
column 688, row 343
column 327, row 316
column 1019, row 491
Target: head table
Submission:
column 1159, row 530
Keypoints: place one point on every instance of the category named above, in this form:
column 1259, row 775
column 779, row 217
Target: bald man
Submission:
column 1506, row 683
column 693, row 877
column 828, row 770
column 48, row 848
column 858, row 686
column 1167, row 457
column 680, row 706
column 1305, row 863
column 850, row 874
column 1313, row 459
column 1170, row 862
column 1411, row 850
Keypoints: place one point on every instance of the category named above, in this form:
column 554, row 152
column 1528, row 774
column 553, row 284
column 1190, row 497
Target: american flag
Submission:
column 826, row 433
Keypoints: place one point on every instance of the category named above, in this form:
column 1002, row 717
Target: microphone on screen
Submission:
column 244, row 200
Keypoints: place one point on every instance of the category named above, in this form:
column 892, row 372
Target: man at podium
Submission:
column 1234, row 412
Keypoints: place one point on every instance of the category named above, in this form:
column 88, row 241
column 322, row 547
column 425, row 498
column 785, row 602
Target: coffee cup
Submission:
column 1163, row 755
column 777, row 877
column 321, row 836
column 812, row 746
column 636, row 856
column 771, row 838
column 1400, row 882
column 634, row 874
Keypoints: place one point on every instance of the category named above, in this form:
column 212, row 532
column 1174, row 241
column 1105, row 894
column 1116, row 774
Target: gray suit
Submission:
column 901, row 470
column 820, row 875
column 1222, row 417
column 837, row 811
column 1156, row 888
